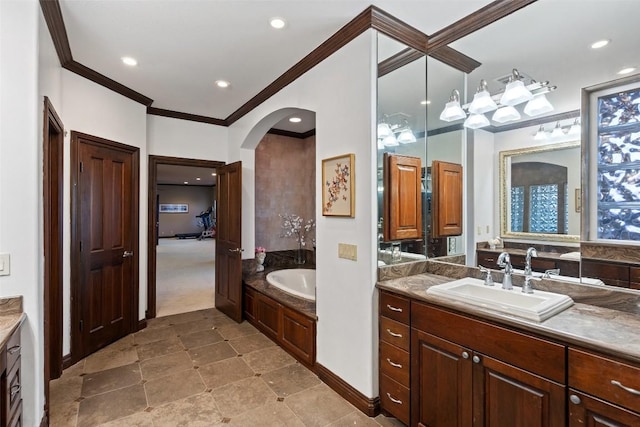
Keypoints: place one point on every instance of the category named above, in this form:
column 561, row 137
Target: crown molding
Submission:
column 291, row 134
column 185, row 116
column 53, row 17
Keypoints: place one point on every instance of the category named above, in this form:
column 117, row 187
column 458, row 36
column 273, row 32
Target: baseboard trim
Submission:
column 369, row 406
column 67, row 361
column 142, row 323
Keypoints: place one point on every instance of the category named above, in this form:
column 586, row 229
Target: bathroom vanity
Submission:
column 445, row 363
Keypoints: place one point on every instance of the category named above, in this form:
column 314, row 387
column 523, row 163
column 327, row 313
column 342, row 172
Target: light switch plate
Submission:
column 346, row 251
column 5, row 264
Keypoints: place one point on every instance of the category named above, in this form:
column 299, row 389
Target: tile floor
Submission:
column 197, row 369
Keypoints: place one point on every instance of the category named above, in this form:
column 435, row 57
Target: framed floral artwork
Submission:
column 338, row 186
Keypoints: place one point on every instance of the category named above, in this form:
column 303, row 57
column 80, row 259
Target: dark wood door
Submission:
column 506, row 396
column 585, row 410
column 403, row 197
column 228, row 293
column 441, row 382
column 105, row 238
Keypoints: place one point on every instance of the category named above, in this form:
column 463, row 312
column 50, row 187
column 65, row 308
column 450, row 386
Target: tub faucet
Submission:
column 531, row 252
column 505, row 261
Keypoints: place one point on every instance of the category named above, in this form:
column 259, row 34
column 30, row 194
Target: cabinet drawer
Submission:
column 394, row 398
column 524, row 351
column 634, row 274
column 394, row 307
column 605, row 378
column 14, row 392
column 394, row 363
column 13, row 349
column 394, row 333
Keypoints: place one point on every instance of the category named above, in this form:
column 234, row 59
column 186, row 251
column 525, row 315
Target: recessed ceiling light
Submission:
column 186, row 182
column 599, row 44
column 213, row 174
column 277, row 23
column 425, row 102
column 627, row 70
column 295, row 119
column 197, row 179
column 127, row 60
column 222, row 83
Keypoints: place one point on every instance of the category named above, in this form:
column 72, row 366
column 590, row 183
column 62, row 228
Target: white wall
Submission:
column 341, row 91
column 21, row 187
column 182, row 138
column 484, row 187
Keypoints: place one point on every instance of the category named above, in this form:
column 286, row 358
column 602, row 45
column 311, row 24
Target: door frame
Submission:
column 76, row 344
column 152, row 235
column 53, row 226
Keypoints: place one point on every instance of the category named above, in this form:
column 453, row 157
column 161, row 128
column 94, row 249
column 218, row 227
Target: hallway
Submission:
column 197, row 369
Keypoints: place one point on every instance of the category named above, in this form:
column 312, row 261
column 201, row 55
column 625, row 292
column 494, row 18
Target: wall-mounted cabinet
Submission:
column 402, row 206
column 447, row 199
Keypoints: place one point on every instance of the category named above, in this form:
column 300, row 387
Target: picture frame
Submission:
column 338, row 186
column 174, row 208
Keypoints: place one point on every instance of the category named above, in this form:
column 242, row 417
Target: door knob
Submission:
column 127, row 254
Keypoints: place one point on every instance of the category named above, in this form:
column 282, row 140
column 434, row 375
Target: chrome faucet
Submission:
column 488, row 280
column 554, row 271
column 531, row 252
column 527, row 288
column 505, row 261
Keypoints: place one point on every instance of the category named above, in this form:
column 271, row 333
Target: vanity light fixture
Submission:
column 537, row 106
column 295, row 119
column 476, row 121
column 557, row 131
column 515, row 92
column 394, row 130
column 390, row 141
column 575, row 128
column 541, row 135
column 599, row 44
column 384, row 130
column 506, row 114
column 452, row 110
column 406, row 135
column 482, row 101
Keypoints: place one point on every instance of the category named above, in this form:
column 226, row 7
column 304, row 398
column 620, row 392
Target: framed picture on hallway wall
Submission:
column 338, row 186
column 174, row 208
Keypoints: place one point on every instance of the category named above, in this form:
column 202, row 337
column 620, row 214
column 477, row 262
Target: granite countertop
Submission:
column 600, row 329
column 11, row 317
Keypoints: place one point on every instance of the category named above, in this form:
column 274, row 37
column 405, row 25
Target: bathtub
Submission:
column 300, row 282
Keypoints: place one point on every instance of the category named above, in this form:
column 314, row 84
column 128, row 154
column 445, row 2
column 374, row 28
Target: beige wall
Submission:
column 285, row 180
column 198, row 198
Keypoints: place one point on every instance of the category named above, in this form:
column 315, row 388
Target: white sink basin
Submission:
column 538, row 306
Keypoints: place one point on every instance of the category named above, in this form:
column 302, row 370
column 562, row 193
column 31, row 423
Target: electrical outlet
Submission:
column 346, row 251
column 5, row 264
column 479, row 230
column 487, row 229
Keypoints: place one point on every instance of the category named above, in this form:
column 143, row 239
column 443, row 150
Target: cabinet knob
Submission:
column 476, row 359
column 465, row 355
column 575, row 399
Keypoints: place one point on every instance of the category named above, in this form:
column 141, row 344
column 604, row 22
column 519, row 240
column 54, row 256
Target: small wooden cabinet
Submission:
column 402, row 204
column 446, row 212
column 11, row 388
column 292, row 330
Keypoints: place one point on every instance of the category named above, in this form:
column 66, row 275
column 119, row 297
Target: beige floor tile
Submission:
column 271, row 414
column 200, row 338
column 194, row 411
column 111, row 406
column 268, row 359
column 290, row 380
column 194, row 326
column 211, row 353
column 139, row 419
column 76, row 369
column 318, row 406
column 111, row 379
column 241, row 396
column 356, row 418
column 185, row 317
column 107, row 359
column 165, row 365
column 224, row 372
column 159, row 348
column 65, row 389
column 236, row 330
column 147, row 336
column 174, row 386
column 64, row 414
column 388, row 421
column 158, row 322
column 245, row 345
column 122, row 344
column 221, row 321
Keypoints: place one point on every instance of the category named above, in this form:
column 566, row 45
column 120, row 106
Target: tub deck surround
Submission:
column 11, row 317
column 607, row 331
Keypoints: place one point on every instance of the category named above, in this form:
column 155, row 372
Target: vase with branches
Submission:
column 296, row 227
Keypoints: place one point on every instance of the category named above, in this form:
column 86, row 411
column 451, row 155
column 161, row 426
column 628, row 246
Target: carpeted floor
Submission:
column 185, row 275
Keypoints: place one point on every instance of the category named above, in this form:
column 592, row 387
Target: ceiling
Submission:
column 185, row 175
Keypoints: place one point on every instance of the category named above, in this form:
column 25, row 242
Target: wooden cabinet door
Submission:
column 506, row 396
column 441, row 382
column 585, row 410
column 402, row 197
column 267, row 315
column 447, row 199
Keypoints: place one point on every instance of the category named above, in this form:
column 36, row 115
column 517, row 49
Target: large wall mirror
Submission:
column 540, row 192
column 410, row 131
